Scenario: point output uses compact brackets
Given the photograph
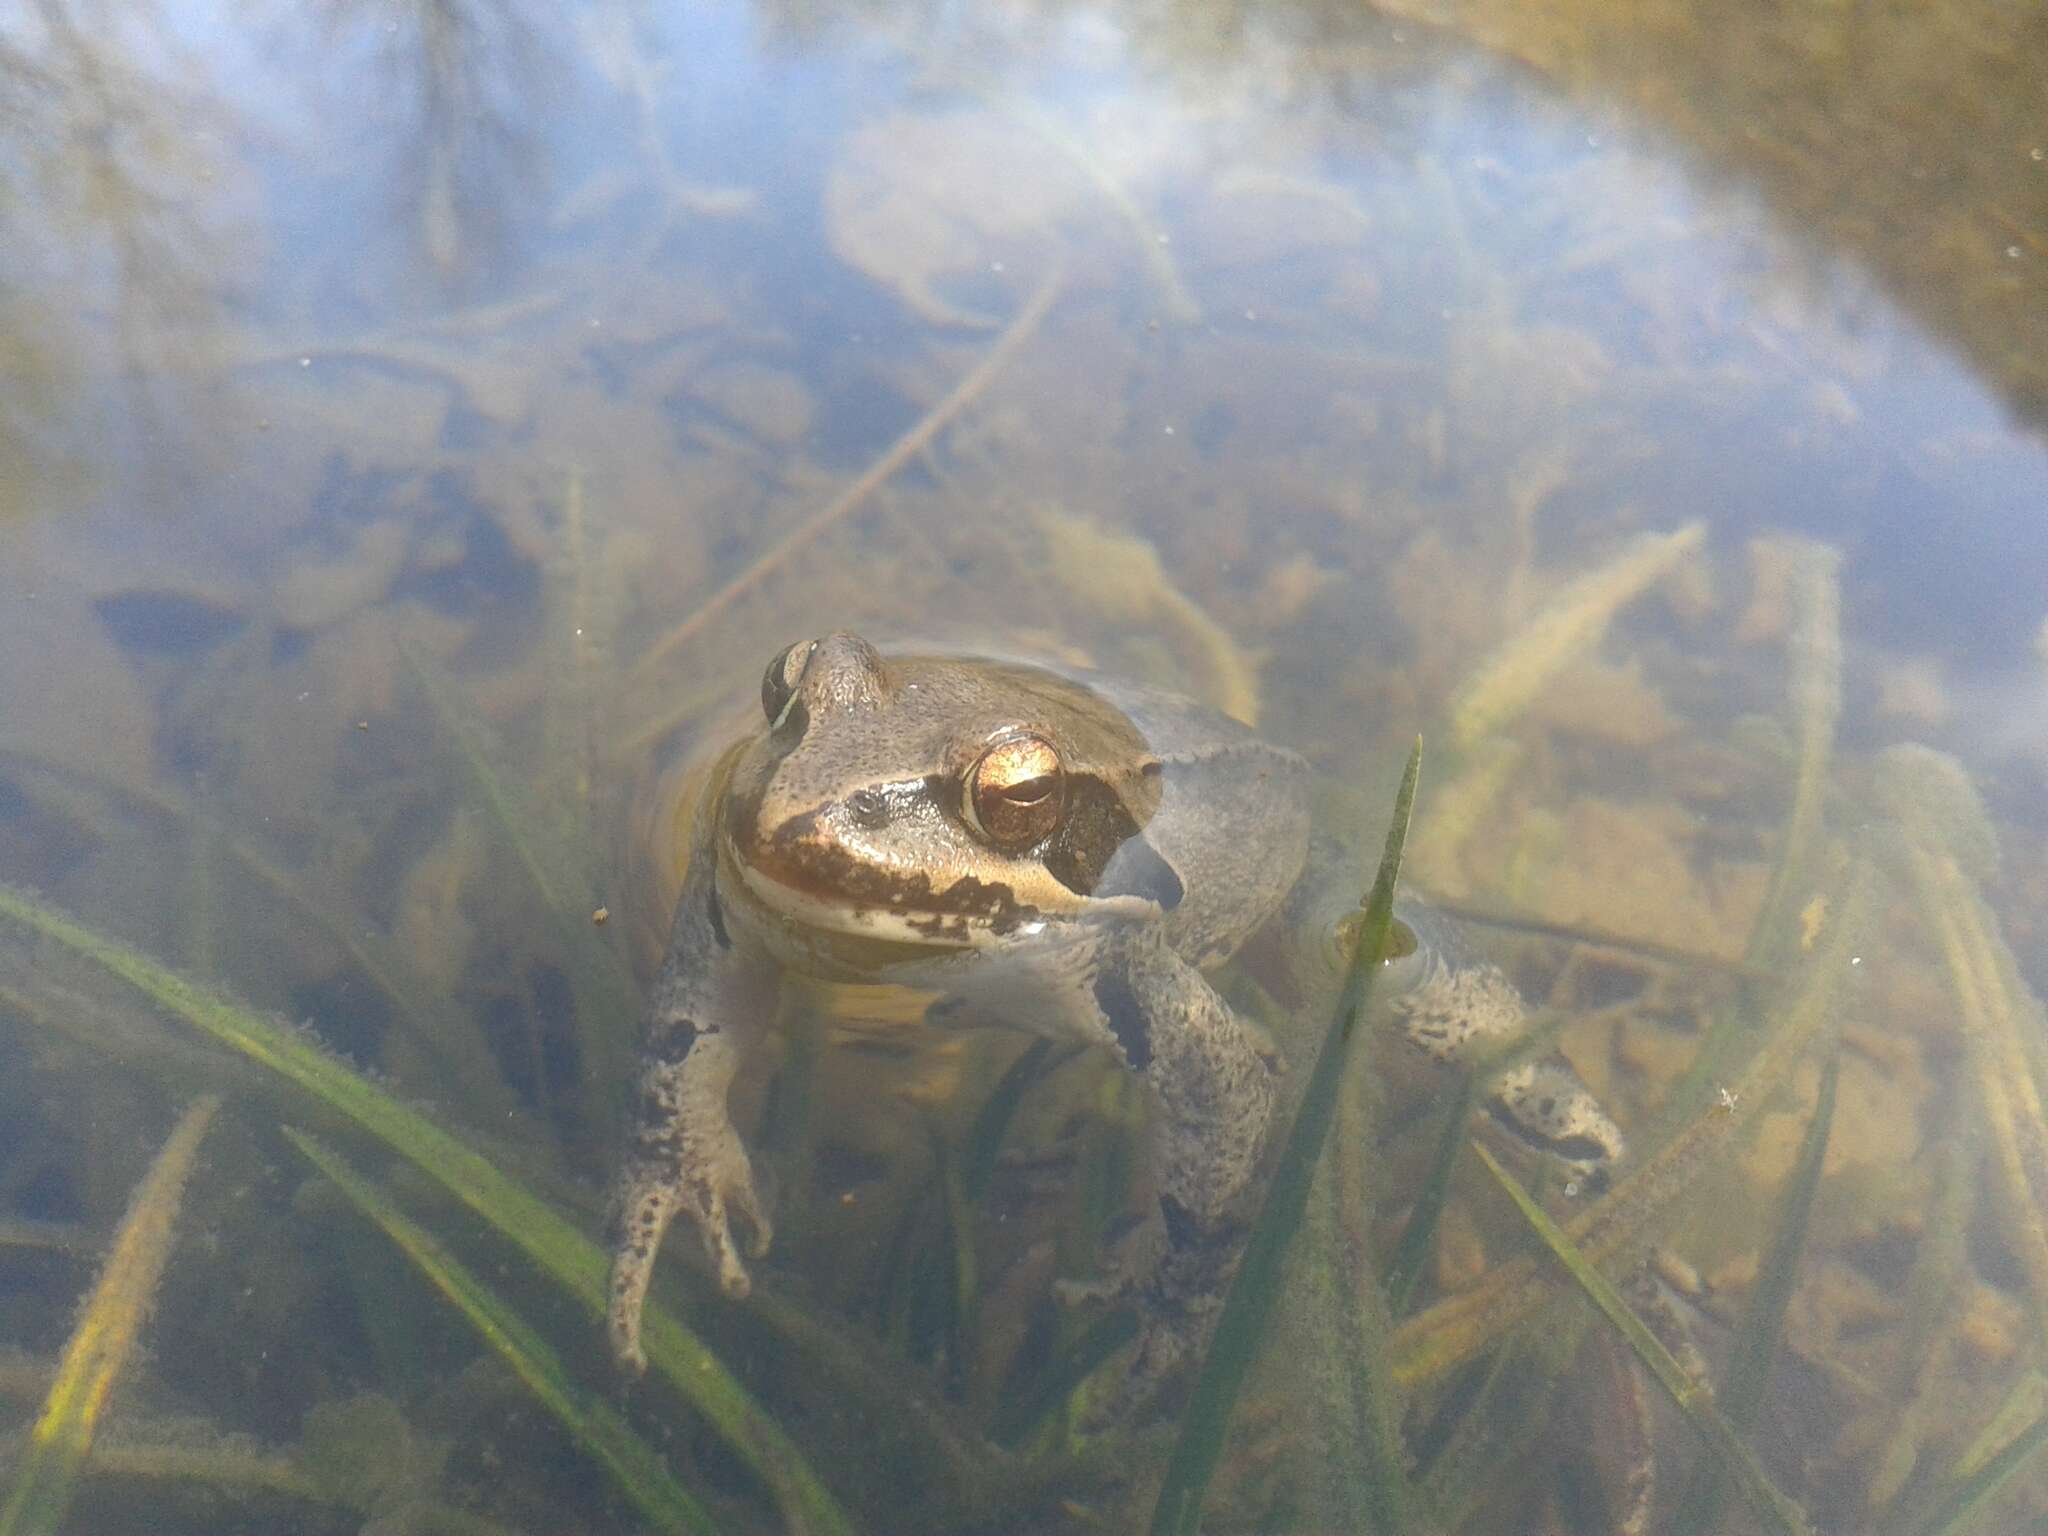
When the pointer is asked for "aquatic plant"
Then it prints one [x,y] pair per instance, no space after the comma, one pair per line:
[1814,691]
[1619,1228]
[556,1245]
[1253,1291]
[636,1467]
[1569,626]
[1948,845]
[105,1337]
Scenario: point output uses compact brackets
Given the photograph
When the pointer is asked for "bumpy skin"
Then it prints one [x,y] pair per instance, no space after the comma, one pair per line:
[1458,1009]
[847,839]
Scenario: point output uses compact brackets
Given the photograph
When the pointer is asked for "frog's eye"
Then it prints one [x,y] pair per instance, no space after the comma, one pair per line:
[778,683]
[1016,791]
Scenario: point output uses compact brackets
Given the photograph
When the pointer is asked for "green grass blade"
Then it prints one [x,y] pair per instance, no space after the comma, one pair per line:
[1961,1505]
[992,1123]
[1693,1400]
[964,1311]
[639,1472]
[1206,1422]
[536,1228]
[598,975]
[1756,1342]
[102,1344]
[1404,1271]
[1017,1418]
[446,1037]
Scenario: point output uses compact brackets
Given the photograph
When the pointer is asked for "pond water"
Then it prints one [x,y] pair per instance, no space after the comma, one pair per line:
[425,419]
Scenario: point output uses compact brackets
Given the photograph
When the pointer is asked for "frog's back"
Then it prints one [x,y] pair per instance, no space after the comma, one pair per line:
[1233,818]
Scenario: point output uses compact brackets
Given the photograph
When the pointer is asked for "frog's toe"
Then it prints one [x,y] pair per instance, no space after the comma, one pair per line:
[720,1192]
[753,1200]
[733,1278]
[641,1214]
[1545,1104]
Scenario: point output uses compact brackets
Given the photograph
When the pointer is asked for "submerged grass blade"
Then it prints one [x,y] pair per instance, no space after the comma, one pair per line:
[1206,1421]
[1960,1506]
[446,1037]
[964,1309]
[1939,1268]
[992,1122]
[1569,626]
[1815,686]
[598,976]
[1018,1417]
[1692,1398]
[536,1228]
[1950,848]
[1418,1236]
[105,1336]
[1756,1341]
[638,1470]
[227,1468]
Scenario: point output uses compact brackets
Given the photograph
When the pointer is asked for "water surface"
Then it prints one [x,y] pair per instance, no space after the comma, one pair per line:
[422,420]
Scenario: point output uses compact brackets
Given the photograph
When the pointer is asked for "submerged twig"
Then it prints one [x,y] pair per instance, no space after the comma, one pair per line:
[901,452]
[105,1336]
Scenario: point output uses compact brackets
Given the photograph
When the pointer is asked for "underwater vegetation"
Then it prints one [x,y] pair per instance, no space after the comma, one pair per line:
[329,860]
[1411,1329]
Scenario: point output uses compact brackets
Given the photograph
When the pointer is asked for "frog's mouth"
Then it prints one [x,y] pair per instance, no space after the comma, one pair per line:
[830,890]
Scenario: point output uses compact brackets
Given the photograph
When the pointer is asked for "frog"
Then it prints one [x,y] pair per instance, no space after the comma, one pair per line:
[1040,847]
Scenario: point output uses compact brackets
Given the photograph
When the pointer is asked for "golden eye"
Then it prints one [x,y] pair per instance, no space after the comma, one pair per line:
[779,682]
[1015,792]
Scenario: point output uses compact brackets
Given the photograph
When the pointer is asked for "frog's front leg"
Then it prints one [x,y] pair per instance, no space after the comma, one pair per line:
[1214,1091]
[683,1153]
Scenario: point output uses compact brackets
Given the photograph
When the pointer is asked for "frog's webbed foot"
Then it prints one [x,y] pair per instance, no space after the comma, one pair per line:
[1459,1011]
[685,1156]
[1179,1307]
[1545,1104]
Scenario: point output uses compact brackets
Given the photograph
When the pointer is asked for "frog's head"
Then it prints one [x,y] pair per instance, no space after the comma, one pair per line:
[941,800]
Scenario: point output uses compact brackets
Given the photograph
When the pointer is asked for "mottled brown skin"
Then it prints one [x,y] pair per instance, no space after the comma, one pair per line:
[1063,853]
